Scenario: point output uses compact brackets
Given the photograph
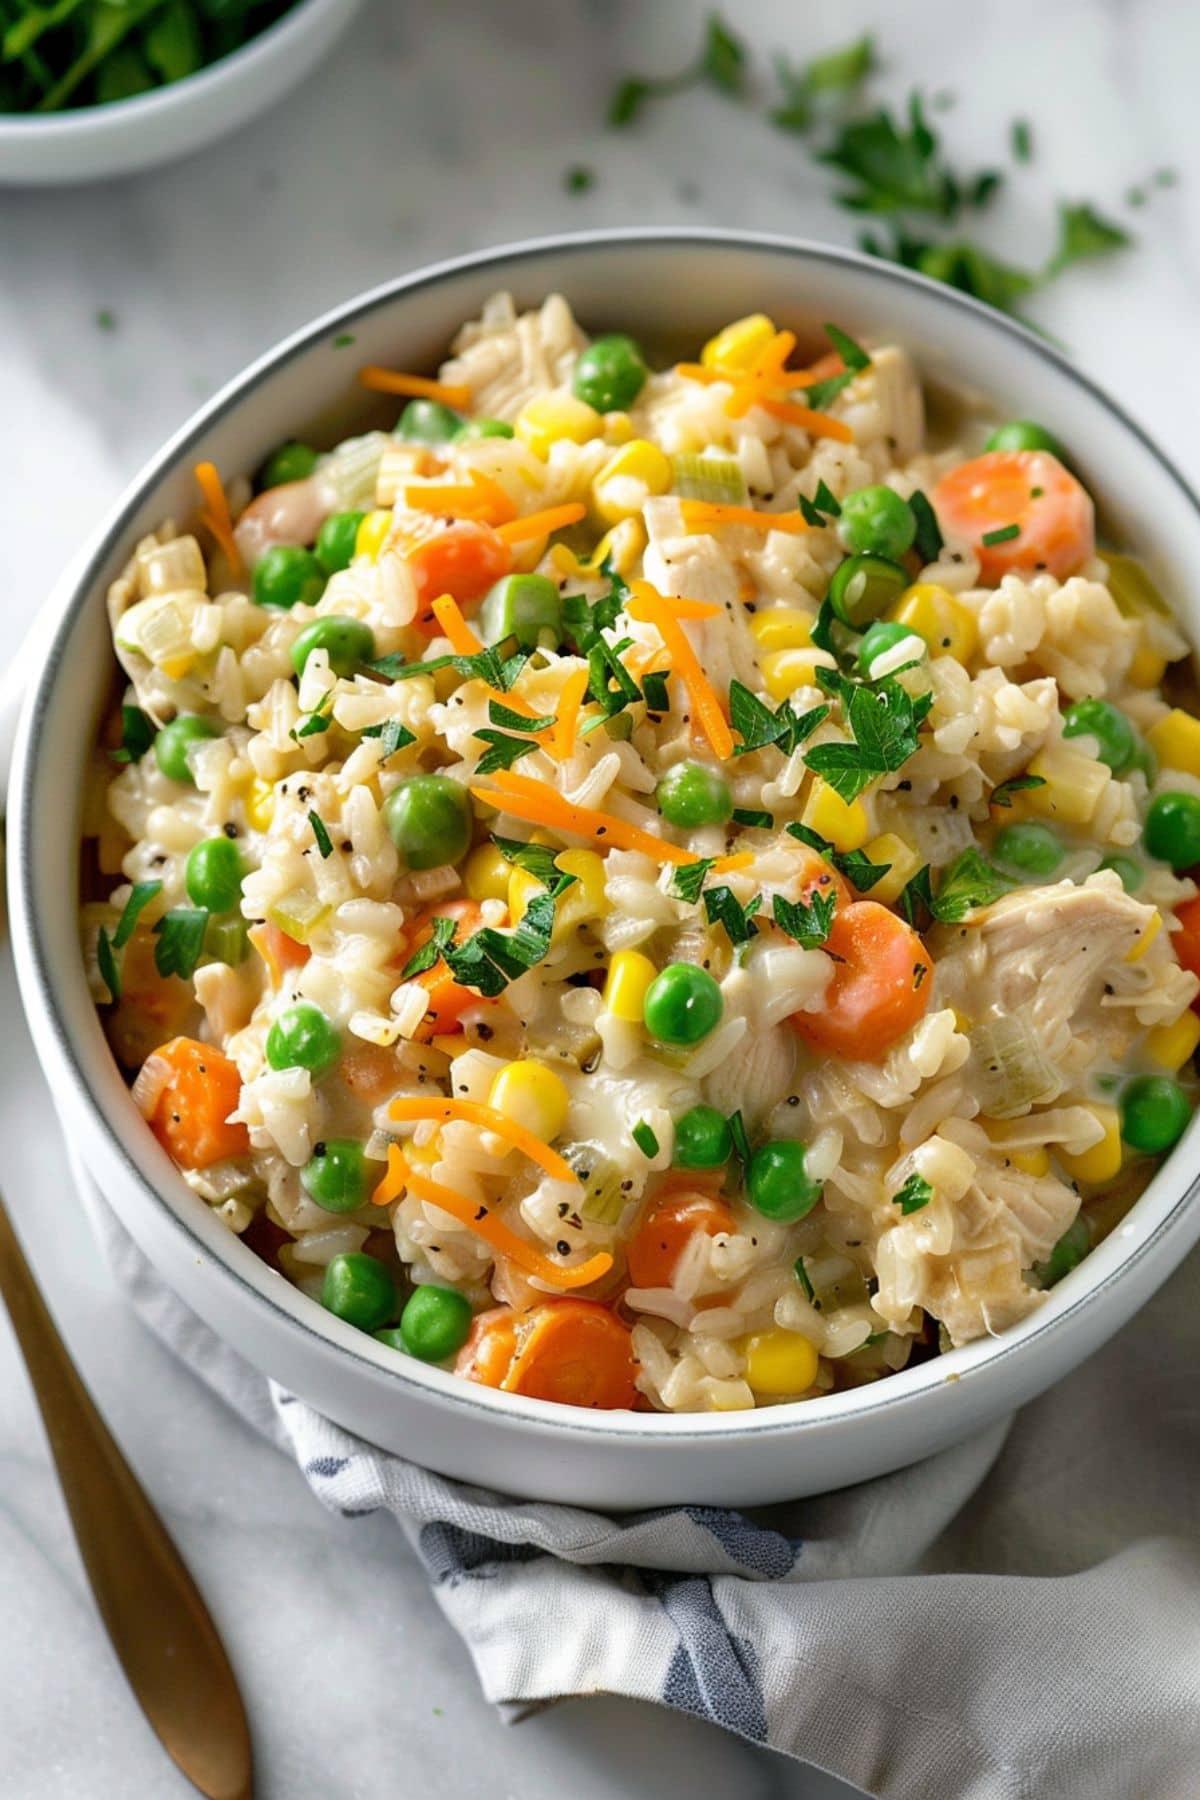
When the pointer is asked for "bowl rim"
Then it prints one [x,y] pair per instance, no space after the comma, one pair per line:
[1110,1263]
[115,115]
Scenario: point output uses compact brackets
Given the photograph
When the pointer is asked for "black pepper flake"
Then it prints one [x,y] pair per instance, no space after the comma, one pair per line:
[481,1214]
[229,828]
[563,1248]
[319,1149]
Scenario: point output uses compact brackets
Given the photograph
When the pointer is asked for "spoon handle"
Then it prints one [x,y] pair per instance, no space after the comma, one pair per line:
[159,1626]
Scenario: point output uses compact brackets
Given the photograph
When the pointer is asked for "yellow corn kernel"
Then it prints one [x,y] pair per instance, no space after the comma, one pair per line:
[531,1095]
[1170,1046]
[585,898]
[780,1362]
[618,428]
[486,874]
[450,1044]
[628,479]
[629,975]
[783,671]
[1074,784]
[260,804]
[740,345]
[1103,1161]
[1146,939]
[546,418]
[904,864]
[1175,740]
[845,825]
[962,1021]
[1147,668]
[947,626]
[1030,1162]
[622,546]
[372,534]
[783,628]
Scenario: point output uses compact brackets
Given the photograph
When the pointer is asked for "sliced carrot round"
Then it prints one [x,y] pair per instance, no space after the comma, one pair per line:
[571,1351]
[880,987]
[463,560]
[665,1232]
[1186,940]
[490,1347]
[985,498]
[190,1113]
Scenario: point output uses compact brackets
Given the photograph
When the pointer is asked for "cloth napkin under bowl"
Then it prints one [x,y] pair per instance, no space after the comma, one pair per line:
[1016,1619]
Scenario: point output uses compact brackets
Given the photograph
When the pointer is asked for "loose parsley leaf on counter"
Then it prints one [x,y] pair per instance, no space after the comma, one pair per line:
[1082,232]
[836,76]
[180,935]
[895,167]
[957,263]
[808,922]
[721,63]
[913,1195]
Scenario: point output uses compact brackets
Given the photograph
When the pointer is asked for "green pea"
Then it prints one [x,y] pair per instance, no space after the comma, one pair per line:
[1024,434]
[359,1289]
[883,635]
[429,819]
[778,1184]
[864,586]
[1112,731]
[703,1139]
[1069,1251]
[691,794]
[1030,848]
[610,373]
[292,461]
[303,1038]
[877,522]
[288,575]
[435,1323]
[1172,830]
[213,874]
[336,540]
[1129,869]
[349,644]
[335,1176]
[483,428]
[682,1005]
[524,607]
[428,422]
[172,743]
[1154,1113]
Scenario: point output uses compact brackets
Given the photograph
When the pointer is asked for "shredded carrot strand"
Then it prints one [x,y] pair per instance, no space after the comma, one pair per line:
[647,603]
[701,515]
[448,614]
[487,1117]
[539,804]
[216,516]
[503,1240]
[541,524]
[727,865]
[679,608]
[481,498]
[417,387]
[570,703]
[817,424]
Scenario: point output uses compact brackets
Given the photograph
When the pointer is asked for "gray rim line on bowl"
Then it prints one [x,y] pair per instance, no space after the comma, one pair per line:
[908,1384]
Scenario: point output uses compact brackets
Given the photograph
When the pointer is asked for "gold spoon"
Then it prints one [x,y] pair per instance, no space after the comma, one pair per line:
[159,1626]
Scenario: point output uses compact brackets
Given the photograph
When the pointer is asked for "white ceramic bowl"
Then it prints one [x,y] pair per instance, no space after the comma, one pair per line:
[673,286]
[91,143]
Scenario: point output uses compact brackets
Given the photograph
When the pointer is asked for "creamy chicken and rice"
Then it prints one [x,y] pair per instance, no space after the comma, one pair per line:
[653,887]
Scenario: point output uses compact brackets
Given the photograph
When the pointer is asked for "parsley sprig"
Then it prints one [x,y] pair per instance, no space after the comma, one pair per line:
[855,865]
[809,921]
[884,720]
[915,1193]
[490,958]
[970,882]
[759,725]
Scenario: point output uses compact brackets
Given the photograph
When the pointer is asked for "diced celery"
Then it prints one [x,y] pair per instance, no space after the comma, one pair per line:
[299,915]
[1010,1066]
[351,470]
[715,479]
[604,1201]
[227,940]
[1130,585]
[162,629]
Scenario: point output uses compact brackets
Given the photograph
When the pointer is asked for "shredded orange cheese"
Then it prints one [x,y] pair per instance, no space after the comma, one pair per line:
[728,865]
[539,804]
[216,516]
[570,704]
[476,1113]
[481,498]
[416,387]
[679,608]
[704,515]
[648,604]
[541,524]
[479,1219]
[817,424]
[448,614]
[768,381]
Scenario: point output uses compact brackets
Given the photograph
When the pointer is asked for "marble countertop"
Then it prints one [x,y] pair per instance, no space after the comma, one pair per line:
[430,131]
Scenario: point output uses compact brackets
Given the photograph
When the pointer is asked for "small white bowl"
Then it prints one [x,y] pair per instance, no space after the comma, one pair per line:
[90,143]
[668,288]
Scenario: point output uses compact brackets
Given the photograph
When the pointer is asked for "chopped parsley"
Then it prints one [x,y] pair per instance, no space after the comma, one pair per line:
[821,393]
[929,540]
[758,725]
[180,935]
[584,619]
[802,1276]
[392,736]
[883,719]
[643,1136]
[911,1197]
[654,691]
[503,751]
[484,665]
[807,921]
[431,950]
[855,865]
[1002,794]
[320,832]
[968,883]
[722,907]
[106,319]
[108,966]
[536,859]
[741,1142]
[752,819]
[823,506]
[489,959]
[137,735]
[688,879]
[140,896]
[894,166]
[317,721]
[343,340]
[720,64]
[610,684]
[1003,534]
